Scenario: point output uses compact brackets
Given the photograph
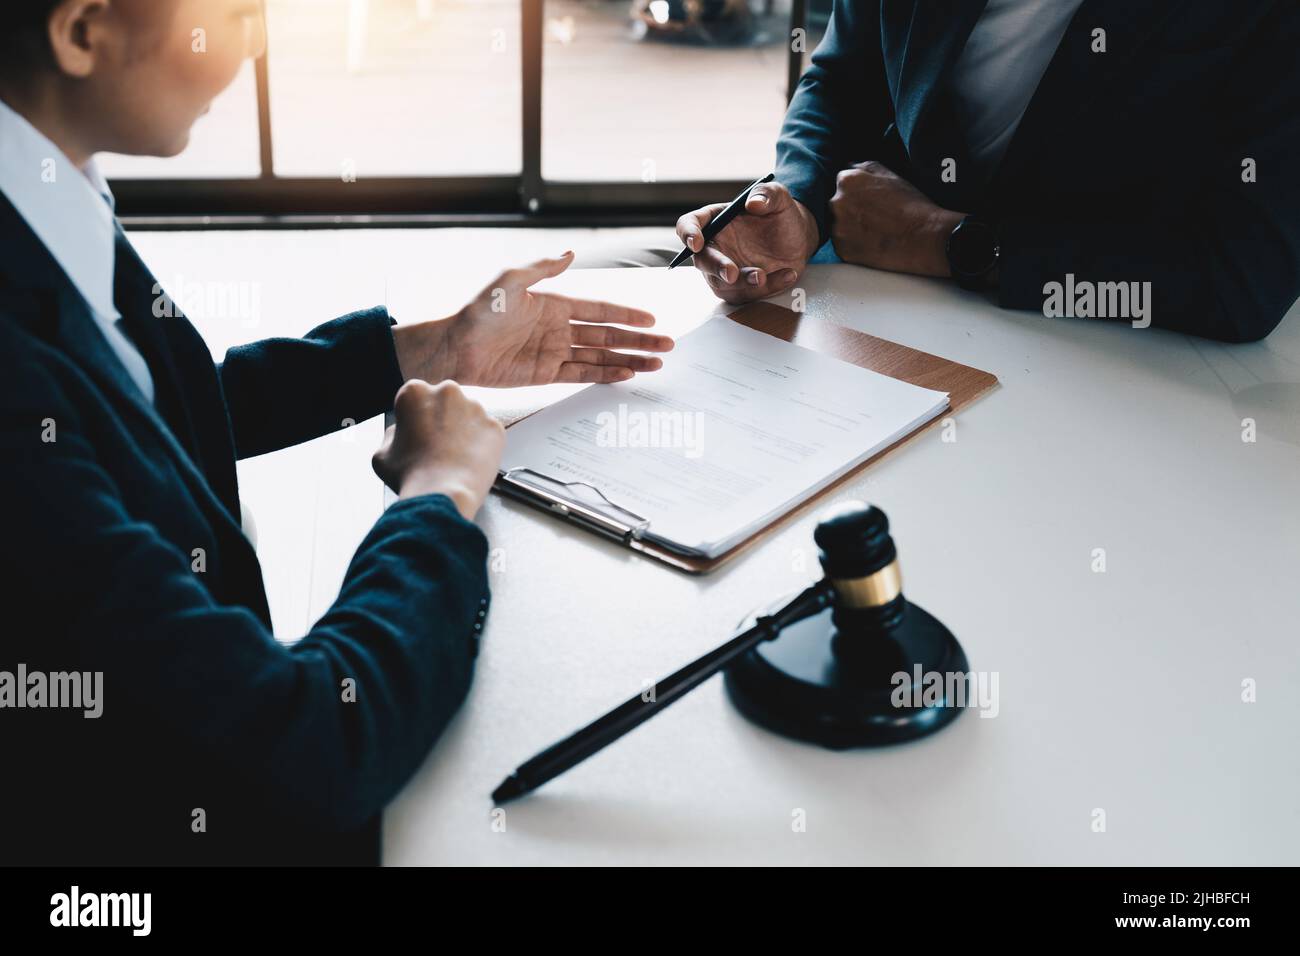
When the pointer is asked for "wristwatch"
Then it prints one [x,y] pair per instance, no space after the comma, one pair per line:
[972,250]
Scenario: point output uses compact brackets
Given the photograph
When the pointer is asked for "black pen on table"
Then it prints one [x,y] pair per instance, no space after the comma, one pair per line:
[603,731]
[719,222]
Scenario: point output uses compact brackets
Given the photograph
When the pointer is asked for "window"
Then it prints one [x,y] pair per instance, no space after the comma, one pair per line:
[395,87]
[649,92]
[501,107]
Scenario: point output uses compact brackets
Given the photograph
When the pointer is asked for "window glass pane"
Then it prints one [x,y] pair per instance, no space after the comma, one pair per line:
[655,90]
[395,87]
[223,145]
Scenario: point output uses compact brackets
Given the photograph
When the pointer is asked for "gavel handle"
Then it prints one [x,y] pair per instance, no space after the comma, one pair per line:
[605,730]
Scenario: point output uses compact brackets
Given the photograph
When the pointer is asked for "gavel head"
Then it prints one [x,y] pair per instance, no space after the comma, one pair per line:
[860,560]
[832,677]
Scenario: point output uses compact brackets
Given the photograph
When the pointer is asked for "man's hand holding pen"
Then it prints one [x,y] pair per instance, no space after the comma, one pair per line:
[762,252]
[877,219]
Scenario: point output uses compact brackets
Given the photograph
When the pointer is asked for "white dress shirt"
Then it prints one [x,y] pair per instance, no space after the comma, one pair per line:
[1000,68]
[71,212]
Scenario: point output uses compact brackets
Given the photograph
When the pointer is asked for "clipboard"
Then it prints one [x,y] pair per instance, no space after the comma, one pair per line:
[587,507]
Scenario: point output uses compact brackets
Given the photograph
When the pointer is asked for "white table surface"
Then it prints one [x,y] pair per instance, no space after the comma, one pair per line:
[1118,690]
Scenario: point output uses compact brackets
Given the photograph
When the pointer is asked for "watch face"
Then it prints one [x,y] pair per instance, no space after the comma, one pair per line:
[972,248]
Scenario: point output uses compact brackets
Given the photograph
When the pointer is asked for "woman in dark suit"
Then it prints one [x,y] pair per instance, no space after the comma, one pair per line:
[124,558]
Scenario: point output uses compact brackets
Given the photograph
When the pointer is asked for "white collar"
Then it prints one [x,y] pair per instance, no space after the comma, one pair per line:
[69,209]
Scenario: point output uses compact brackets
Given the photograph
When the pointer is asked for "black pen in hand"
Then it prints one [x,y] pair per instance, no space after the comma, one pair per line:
[719,222]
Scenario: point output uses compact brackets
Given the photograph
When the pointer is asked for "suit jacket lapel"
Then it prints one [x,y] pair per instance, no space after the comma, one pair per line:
[63,318]
[922,39]
[134,293]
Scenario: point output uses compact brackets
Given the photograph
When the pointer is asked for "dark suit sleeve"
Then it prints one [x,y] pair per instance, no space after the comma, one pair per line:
[284,391]
[840,110]
[256,722]
[1228,268]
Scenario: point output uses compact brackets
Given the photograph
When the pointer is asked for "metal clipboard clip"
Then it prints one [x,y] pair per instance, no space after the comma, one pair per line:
[562,498]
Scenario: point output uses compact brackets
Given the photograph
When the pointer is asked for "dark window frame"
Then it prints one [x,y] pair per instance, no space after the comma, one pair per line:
[526,198]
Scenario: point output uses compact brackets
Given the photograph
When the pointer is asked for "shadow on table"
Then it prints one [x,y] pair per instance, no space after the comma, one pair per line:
[890,783]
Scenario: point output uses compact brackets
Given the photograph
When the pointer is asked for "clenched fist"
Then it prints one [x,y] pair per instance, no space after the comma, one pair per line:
[879,219]
[443,442]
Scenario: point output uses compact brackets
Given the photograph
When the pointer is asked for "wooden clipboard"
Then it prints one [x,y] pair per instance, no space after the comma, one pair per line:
[962,383]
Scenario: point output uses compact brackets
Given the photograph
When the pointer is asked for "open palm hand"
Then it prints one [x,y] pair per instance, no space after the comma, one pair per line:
[512,336]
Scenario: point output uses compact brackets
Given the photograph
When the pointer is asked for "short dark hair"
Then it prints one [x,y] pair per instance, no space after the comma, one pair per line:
[29,17]
[23,43]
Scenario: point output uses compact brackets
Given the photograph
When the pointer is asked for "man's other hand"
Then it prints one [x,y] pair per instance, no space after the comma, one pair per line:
[879,219]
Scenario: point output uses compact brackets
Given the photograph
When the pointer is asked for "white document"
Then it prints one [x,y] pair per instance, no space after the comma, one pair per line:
[735,430]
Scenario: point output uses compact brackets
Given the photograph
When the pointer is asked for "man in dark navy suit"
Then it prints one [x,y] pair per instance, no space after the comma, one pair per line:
[147,714]
[1032,146]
